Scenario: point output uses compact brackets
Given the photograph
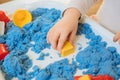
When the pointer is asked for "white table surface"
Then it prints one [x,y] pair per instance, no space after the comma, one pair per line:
[32,4]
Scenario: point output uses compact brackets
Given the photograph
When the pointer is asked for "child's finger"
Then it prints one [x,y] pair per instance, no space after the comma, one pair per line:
[61,41]
[116,37]
[47,38]
[119,41]
[72,37]
[54,40]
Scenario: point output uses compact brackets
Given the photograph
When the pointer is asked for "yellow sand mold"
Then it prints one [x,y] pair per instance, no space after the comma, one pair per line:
[21,17]
[67,49]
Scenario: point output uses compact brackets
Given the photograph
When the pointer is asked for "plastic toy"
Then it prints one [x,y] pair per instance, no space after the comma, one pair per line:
[3,51]
[102,77]
[76,77]
[3,17]
[21,17]
[86,77]
[67,49]
[2,28]
[90,77]
[106,77]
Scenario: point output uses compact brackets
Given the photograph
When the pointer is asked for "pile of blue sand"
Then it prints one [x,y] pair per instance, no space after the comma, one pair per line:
[59,70]
[97,58]
[32,35]
[30,75]
[14,65]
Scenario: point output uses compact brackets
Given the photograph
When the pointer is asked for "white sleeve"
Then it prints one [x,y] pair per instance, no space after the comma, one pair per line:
[81,5]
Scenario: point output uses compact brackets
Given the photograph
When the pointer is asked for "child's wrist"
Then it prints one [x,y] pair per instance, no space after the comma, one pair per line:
[72,12]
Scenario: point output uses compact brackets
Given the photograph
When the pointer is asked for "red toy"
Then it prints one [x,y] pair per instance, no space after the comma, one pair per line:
[102,77]
[3,51]
[106,77]
[76,77]
[3,17]
[98,77]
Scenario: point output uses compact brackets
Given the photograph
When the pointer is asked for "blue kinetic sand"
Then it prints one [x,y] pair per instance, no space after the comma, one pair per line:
[14,65]
[42,56]
[60,70]
[96,57]
[32,35]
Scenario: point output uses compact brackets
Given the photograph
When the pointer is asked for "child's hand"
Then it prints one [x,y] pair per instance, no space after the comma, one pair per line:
[63,30]
[117,38]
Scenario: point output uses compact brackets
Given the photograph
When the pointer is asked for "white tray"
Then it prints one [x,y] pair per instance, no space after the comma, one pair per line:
[10,7]
[58,4]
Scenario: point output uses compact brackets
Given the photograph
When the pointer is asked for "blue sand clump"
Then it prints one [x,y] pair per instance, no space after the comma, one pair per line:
[97,58]
[15,65]
[30,75]
[37,30]
[42,56]
[40,42]
[15,39]
[60,70]
[46,13]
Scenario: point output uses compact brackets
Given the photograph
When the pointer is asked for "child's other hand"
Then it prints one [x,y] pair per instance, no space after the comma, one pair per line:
[117,38]
[63,30]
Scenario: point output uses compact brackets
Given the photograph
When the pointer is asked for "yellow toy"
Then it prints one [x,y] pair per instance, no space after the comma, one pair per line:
[21,17]
[67,49]
[86,77]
